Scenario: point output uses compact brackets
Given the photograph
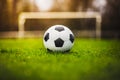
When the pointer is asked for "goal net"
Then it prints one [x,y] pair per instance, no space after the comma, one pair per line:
[59,15]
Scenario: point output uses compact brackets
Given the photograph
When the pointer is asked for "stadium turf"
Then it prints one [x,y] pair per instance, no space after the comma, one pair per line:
[89,59]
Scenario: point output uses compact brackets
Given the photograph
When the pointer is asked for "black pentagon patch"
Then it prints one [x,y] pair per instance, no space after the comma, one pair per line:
[59,42]
[46,37]
[71,38]
[59,29]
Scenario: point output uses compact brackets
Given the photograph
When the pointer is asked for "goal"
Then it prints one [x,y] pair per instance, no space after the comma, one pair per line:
[58,15]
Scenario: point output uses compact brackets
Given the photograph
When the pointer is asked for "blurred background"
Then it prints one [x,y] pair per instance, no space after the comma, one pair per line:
[109,10]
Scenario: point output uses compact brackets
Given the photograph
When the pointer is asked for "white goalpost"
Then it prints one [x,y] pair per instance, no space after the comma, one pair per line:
[58,15]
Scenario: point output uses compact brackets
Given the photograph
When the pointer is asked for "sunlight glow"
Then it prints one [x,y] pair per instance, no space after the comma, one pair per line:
[44,5]
[100,4]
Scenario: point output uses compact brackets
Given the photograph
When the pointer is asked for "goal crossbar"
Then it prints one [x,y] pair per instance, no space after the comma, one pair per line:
[58,15]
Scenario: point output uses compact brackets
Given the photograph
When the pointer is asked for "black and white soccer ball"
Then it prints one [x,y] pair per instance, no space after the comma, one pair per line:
[58,38]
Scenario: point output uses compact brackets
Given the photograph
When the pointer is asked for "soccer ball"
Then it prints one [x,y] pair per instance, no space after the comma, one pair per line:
[58,38]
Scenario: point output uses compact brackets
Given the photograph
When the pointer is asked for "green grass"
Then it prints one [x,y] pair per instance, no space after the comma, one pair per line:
[89,59]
